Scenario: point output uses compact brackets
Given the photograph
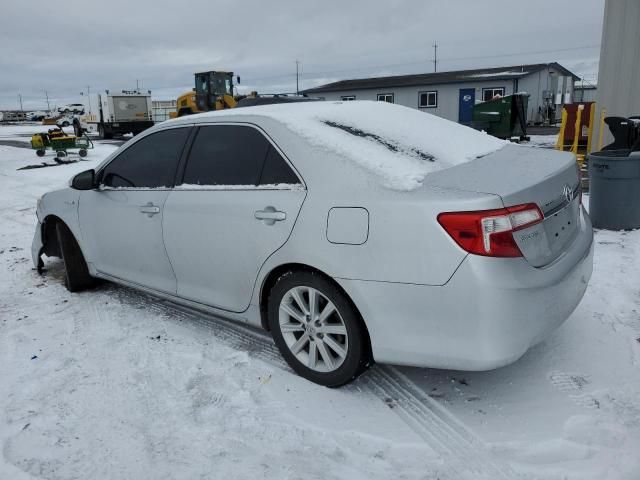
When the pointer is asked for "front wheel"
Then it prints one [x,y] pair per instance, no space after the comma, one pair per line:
[317,329]
[77,275]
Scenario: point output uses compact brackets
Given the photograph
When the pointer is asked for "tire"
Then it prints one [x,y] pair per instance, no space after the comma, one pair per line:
[77,276]
[103,133]
[61,154]
[40,153]
[65,124]
[82,152]
[309,362]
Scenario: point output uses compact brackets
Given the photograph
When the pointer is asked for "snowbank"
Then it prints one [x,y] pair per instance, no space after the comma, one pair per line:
[400,145]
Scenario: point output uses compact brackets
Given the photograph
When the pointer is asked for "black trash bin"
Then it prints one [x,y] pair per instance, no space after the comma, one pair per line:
[614,189]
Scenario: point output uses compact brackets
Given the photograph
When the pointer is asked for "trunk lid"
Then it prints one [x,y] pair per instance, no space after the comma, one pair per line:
[519,175]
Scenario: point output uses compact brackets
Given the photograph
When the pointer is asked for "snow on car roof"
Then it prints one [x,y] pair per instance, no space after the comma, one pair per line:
[400,145]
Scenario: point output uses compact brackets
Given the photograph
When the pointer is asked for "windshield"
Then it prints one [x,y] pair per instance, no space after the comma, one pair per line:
[221,84]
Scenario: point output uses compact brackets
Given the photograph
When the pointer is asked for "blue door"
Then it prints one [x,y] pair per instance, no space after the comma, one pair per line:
[465,107]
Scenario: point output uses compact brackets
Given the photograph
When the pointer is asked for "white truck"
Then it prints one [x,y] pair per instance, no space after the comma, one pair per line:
[120,113]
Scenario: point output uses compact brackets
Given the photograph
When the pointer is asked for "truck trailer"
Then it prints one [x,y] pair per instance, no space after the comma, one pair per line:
[120,113]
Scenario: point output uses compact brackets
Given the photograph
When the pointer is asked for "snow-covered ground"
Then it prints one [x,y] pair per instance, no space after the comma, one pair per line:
[542,141]
[112,383]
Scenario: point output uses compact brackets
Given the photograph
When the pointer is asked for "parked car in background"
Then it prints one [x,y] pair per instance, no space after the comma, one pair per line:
[76,108]
[353,231]
[36,116]
[65,120]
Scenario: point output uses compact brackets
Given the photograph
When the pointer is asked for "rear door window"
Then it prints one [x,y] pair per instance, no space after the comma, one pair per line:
[149,163]
[226,155]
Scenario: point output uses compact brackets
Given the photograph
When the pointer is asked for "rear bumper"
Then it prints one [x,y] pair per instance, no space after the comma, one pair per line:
[487,316]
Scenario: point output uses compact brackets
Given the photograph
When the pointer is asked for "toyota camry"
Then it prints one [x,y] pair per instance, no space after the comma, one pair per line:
[354,232]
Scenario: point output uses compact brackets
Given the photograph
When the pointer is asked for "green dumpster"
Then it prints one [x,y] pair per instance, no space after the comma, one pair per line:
[502,117]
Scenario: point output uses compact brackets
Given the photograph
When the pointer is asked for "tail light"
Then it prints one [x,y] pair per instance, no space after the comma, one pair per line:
[490,232]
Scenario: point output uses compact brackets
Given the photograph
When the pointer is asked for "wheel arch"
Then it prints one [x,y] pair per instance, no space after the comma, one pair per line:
[270,279]
[50,245]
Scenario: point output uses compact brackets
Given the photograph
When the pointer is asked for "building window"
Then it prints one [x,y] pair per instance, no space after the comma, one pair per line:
[348,98]
[385,97]
[489,93]
[428,99]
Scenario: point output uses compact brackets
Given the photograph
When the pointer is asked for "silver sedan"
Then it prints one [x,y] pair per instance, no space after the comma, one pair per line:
[354,232]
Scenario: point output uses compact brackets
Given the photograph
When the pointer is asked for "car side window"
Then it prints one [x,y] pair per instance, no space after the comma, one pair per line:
[149,163]
[276,170]
[234,155]
[226,155]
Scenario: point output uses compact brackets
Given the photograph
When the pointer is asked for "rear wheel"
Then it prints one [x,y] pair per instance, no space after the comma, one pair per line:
[82,152]
[104,133]
[40,153]
[317,329]
[76,272]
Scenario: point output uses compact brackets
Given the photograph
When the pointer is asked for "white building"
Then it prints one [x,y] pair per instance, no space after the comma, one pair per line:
[451,95]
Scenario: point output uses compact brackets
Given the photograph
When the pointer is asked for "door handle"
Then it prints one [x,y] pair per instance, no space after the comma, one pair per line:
[270,215]
[150,209]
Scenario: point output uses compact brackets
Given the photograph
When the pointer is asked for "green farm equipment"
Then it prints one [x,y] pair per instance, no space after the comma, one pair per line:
[61,143]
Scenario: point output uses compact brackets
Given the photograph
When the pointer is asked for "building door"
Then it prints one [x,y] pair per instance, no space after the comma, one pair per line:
[465,105]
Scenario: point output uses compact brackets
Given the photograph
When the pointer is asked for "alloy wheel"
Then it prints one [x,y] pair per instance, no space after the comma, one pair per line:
[313,329]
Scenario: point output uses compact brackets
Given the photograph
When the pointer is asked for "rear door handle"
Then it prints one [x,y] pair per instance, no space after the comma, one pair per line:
[150,209]
[270,215]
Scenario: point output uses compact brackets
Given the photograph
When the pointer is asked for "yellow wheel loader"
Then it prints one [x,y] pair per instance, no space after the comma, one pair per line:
[213,91]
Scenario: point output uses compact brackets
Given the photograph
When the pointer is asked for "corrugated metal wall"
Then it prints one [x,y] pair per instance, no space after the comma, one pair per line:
[619,70]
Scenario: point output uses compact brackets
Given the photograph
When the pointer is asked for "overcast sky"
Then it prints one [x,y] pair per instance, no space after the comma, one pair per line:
[63,47]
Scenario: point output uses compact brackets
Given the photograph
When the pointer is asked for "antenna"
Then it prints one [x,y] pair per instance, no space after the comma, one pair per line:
[435,57]
[297,78]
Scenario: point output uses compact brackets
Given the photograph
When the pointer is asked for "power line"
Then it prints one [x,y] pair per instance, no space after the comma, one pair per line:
[316,74]
[446,59]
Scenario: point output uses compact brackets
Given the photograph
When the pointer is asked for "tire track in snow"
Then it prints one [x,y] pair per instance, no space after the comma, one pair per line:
[465,455]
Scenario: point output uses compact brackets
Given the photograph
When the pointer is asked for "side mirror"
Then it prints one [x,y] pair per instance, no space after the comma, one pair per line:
[84,180]
[238,79]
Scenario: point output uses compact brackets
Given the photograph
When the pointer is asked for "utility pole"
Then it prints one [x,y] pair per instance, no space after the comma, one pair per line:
[435,57]
[48,106]
[20,98]
[297,78]
[89,97]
